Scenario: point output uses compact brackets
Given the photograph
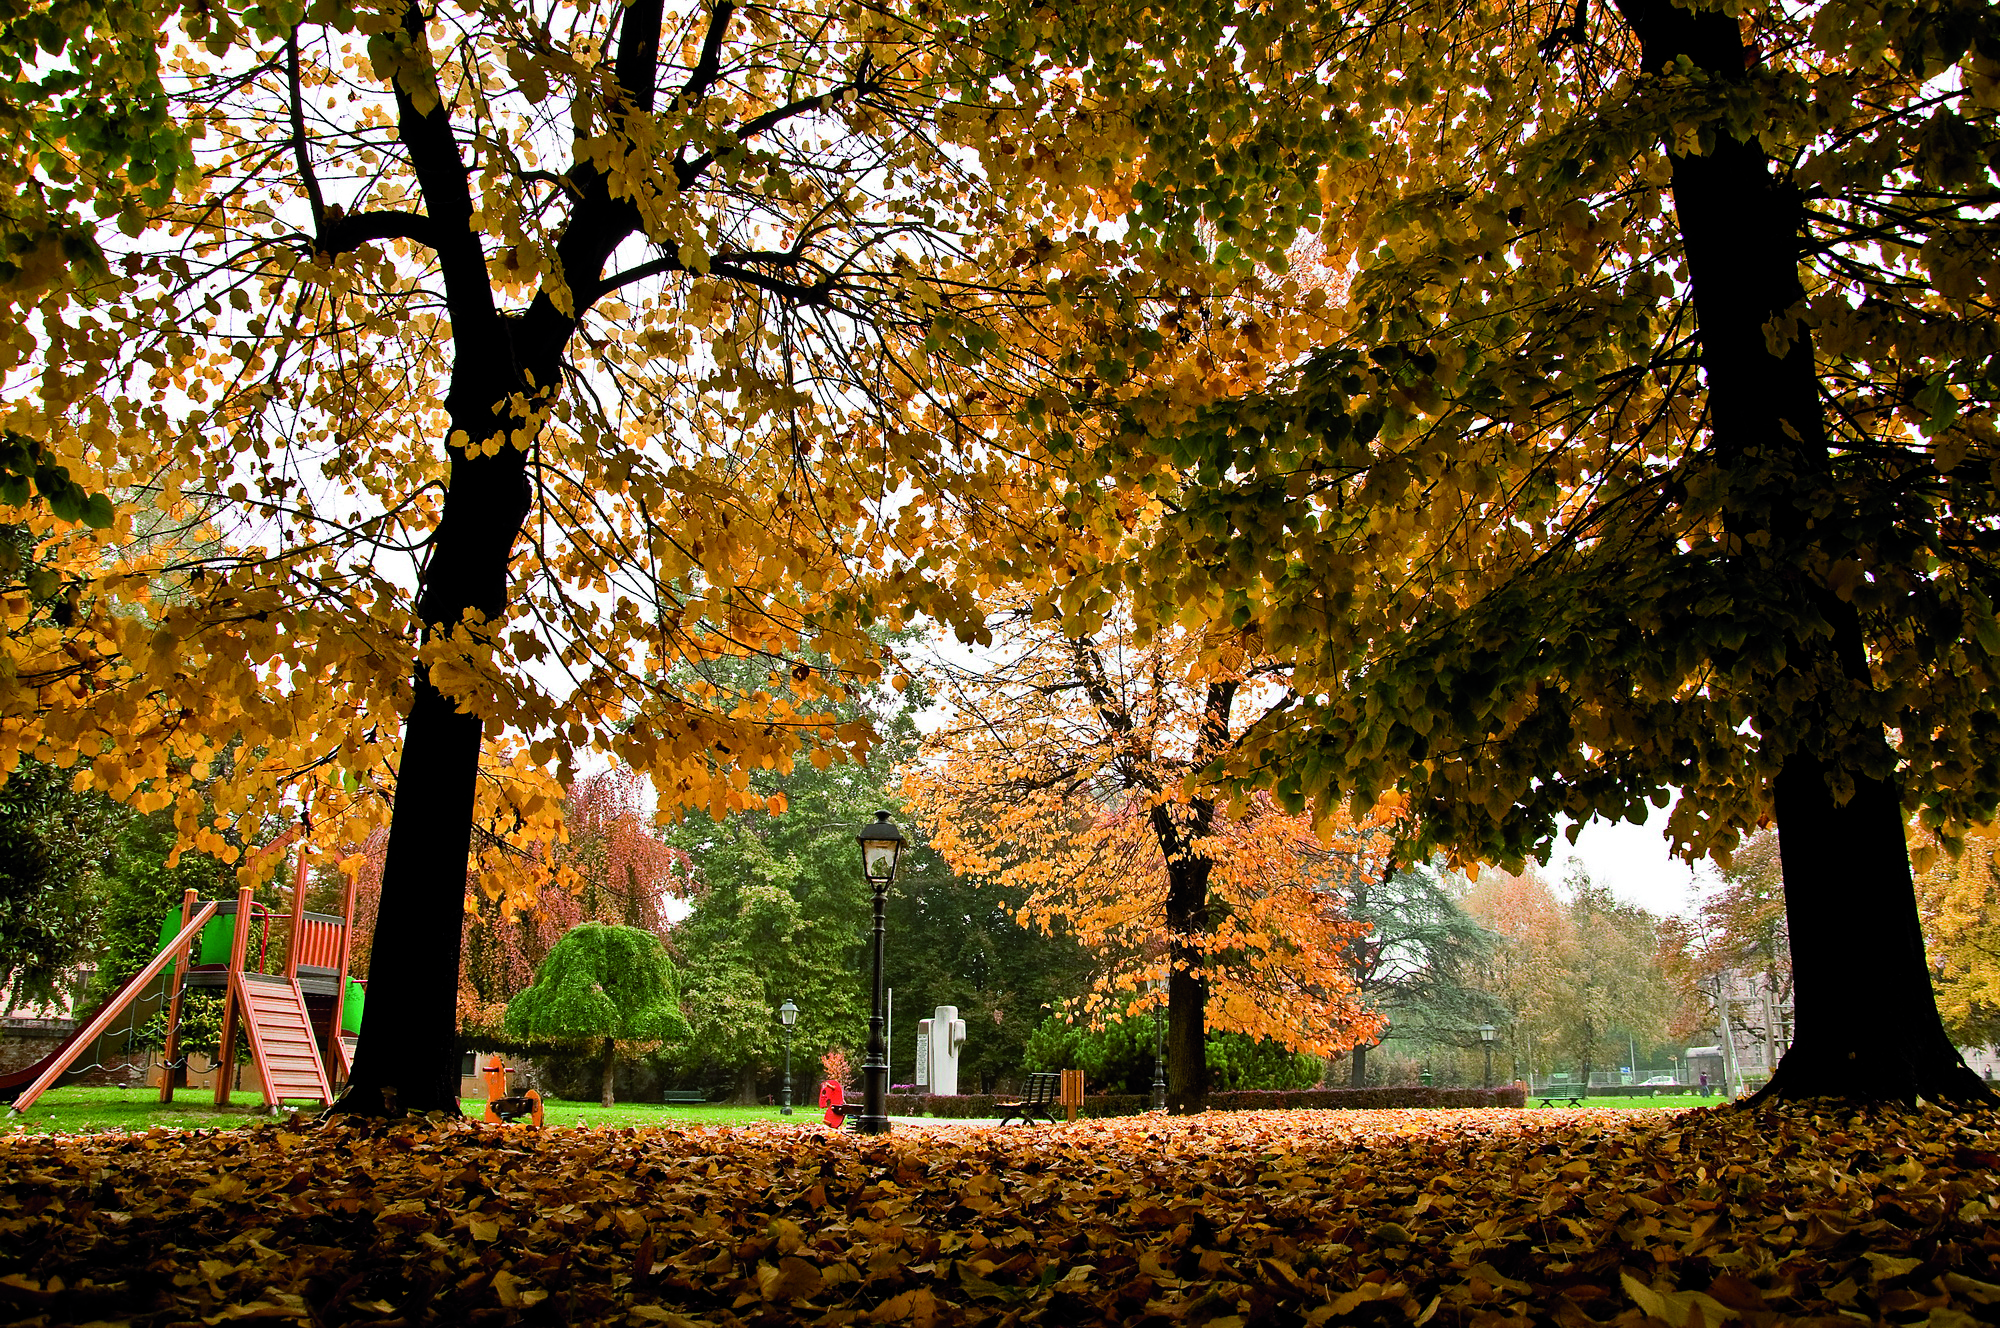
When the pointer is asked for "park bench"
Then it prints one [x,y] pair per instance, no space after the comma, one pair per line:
[1565,1096]
[1044,1088]
[690,1096]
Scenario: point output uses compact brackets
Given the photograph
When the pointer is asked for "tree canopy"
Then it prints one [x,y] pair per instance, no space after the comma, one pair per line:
[601,984]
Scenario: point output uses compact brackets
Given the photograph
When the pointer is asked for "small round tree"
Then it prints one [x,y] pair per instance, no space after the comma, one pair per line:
[601,983]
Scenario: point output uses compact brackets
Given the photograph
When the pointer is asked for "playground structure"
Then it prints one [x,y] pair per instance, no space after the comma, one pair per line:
[298,1023]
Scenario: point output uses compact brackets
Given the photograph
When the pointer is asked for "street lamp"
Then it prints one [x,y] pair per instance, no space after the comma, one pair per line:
[788,1014]
[1159,1055]
[1486,1034]
[881,845]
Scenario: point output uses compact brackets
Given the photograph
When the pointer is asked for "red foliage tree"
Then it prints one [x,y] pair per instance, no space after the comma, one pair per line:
[608,866]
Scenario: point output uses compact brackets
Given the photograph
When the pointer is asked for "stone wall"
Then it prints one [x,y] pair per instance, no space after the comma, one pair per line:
[25,1041]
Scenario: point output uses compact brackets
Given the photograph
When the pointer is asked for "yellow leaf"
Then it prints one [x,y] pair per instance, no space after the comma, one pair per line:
[1675,1306]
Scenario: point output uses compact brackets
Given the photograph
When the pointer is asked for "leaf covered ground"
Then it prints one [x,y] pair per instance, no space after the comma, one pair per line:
[1394,1217]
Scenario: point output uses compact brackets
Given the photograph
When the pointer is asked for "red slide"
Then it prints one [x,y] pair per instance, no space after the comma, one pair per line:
[14,1080]
[25,1085]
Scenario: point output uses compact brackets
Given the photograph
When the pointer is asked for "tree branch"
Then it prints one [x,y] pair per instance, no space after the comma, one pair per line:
[687,171]
[709,65]
[344,234]
[441,176]
[313,196]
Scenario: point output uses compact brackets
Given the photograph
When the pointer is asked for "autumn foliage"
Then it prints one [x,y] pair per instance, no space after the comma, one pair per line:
[1073,773]
[599,862]
[1959,899]
[1454,1218]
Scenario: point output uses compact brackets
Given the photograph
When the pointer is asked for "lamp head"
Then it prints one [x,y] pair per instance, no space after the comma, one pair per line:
[881,845]
[788,1014]
[1487,1032]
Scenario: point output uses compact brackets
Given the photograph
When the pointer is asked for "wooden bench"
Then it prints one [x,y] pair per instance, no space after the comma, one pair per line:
[689,1096]
[1041,1099]
[1551,1099]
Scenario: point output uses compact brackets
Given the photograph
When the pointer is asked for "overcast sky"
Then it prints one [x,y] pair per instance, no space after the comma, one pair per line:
[1633,861]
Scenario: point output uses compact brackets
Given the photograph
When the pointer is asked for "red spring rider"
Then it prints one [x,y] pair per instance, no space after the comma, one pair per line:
[831,1096]
[504,1110]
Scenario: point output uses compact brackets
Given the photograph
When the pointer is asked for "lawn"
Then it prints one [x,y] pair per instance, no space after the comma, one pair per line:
[1228,1220]
[1677,1102]
[84,1110]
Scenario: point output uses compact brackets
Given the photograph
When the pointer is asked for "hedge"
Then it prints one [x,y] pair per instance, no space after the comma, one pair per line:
[1369,1098]
[987,1105]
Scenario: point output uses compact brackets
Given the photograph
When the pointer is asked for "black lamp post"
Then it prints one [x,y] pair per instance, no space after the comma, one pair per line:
[881,845]
[1159,1055]
[788,1014]
[1486,1032]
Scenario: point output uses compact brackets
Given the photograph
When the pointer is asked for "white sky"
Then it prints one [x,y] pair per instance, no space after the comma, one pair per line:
[1633,861]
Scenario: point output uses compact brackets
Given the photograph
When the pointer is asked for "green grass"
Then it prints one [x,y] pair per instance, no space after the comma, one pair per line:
[88,1110]
[654,1113]
[1676,1102]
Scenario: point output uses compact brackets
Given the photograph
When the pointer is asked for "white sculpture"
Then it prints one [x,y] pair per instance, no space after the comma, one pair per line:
[940,1038]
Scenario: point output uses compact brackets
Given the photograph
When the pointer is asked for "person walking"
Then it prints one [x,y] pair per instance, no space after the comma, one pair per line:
[1704,1083]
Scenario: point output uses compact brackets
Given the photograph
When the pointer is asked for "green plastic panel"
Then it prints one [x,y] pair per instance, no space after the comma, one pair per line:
[213,946]
[350,1008]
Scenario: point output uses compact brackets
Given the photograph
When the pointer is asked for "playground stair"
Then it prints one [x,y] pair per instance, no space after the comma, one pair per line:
[281,1037]
[345,1047]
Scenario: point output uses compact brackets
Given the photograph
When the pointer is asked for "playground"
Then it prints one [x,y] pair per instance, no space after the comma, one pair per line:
[286,994]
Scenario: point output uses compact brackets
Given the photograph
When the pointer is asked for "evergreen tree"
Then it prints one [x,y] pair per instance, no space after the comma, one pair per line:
[1420,962]
[53,846]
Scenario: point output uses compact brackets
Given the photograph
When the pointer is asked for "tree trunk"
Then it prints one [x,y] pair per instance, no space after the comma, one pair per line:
[746,1087]
[1853,912]
[407,1058]
[610,1069]
[1187,985]
[1357,1075]
[1867,1024]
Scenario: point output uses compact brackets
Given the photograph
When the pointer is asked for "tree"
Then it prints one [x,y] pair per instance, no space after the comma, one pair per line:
[1613,980]
[1420,961]
[1067,771]
[1654,455]
[1960,903]
[1576,971]
[141,889]
[609,866]
[957,941]
[601,983]
[53,843]
[514,359]
[780,911]
[1739,927]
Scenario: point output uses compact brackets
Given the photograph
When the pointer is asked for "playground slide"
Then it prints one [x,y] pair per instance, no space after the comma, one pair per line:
[110,1043]
[123,1013]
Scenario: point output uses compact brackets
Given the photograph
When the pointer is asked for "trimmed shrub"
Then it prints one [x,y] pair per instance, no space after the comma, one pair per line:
[1367,1099]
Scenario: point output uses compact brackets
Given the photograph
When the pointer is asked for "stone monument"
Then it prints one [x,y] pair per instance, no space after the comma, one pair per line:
[940,1038]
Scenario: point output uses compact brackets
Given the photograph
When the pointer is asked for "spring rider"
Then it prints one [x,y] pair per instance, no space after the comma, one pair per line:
[832,1096]
[504,1110]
